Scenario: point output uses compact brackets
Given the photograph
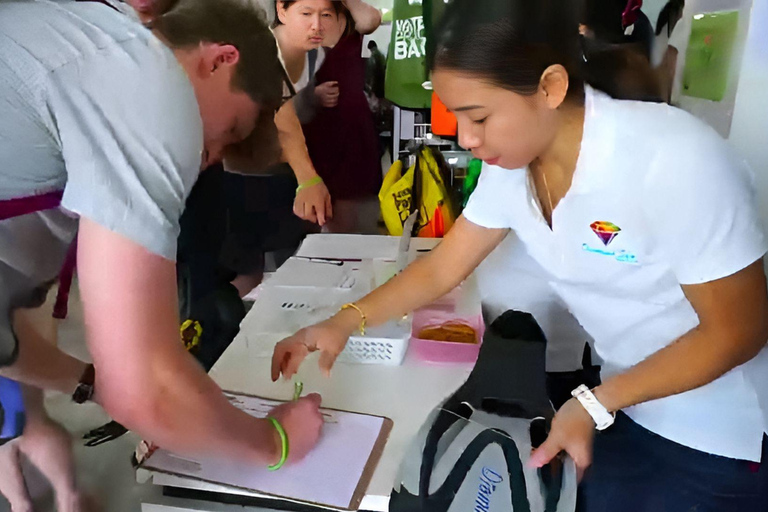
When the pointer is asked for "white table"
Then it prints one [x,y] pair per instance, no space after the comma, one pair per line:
[406,394]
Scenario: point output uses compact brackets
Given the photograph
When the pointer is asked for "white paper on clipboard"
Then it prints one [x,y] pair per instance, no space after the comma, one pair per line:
[335,474]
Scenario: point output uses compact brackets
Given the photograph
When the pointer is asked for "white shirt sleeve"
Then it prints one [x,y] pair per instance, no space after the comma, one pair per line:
[488,206]
[132,139]
[700,205]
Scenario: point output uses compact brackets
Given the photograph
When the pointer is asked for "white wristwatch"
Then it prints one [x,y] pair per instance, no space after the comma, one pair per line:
[603,419]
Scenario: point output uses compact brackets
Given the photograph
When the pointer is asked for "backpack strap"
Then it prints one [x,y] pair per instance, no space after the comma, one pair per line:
[10,208]
[441,500]
[552,483]
[446,418]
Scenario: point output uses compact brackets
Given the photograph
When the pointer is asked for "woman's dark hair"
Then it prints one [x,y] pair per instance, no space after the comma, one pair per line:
[510,43]
[625,73]
[351,28]
[337,5]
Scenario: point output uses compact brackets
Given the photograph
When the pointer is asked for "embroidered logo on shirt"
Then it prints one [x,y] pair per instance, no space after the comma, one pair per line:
[606,231]
[621,256]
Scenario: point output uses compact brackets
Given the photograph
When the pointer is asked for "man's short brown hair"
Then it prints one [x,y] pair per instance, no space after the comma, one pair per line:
[259,73]
[240,23]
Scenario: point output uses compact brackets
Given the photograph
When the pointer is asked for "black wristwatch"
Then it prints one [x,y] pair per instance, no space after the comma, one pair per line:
[84,390]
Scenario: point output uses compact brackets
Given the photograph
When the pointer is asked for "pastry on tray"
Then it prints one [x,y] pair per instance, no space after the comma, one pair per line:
[453,332]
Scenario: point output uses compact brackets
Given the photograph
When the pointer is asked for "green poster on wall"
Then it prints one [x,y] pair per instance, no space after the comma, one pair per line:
[709,55]
[407,59]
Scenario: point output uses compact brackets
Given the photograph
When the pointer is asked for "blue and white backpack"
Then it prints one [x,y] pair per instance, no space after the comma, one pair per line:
[472,452]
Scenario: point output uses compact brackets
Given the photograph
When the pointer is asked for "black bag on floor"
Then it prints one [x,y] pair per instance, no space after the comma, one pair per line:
[210,322]
[210,308]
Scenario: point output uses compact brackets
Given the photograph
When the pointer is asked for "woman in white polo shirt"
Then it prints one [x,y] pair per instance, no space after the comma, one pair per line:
[647,226]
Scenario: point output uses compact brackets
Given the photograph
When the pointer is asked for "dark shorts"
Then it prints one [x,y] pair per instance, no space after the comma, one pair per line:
[635,470]
[260,220]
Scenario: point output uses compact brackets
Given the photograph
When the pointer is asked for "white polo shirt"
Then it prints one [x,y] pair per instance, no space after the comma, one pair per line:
[658,200]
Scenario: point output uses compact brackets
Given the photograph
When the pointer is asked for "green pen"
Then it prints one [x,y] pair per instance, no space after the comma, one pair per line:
[298,387]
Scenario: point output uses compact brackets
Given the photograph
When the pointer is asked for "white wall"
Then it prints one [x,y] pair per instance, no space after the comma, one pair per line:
[382,37]
[381,4]
[749,134]
[749,131]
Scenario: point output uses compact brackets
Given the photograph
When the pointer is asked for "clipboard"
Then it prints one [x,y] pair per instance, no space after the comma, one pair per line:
[336,482]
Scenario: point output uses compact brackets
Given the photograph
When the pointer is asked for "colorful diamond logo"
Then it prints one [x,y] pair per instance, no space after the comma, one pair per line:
[606,231]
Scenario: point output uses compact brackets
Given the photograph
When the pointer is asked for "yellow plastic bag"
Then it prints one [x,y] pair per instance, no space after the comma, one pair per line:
[436,214]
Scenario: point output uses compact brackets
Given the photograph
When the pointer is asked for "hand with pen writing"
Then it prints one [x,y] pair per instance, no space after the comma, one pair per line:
[303,424]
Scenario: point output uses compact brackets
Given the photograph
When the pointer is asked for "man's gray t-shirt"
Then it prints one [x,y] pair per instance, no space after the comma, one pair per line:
[93,104]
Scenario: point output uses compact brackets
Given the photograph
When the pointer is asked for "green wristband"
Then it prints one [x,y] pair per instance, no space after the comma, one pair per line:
[309,183]
[284,440]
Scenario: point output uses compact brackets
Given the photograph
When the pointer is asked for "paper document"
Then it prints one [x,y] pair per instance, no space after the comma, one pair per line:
[315,273]
[359,247]
[336,474]
[287,309]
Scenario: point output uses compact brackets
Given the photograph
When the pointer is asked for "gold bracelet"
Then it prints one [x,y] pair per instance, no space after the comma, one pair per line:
[363,318]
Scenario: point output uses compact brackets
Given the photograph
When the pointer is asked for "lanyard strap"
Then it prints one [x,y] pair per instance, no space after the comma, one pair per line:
[25,205]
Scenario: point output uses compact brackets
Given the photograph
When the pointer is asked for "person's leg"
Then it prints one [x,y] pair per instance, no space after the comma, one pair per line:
[355,216]
[12,484]
[369,213]
[48,446]
[635,470]
[44,442]
[344,218]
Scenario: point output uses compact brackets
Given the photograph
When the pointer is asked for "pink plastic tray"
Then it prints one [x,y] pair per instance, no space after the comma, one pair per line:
[444,351]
